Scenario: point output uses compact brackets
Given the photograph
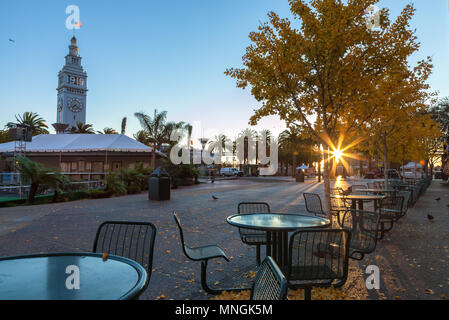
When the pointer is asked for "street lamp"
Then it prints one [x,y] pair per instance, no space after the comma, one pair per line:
[203,142]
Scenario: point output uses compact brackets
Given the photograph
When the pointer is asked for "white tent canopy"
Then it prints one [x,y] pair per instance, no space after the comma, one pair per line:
[412,165]
[80,143]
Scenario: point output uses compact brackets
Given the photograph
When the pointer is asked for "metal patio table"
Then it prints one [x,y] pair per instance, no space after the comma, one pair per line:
[403,186]
[277,226]
[44,277]
[379,191]
[358,200]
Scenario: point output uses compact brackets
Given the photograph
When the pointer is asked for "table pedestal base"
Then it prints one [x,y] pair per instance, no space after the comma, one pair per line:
[277,247]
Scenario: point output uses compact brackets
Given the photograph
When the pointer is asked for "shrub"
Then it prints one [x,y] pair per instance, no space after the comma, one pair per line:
[99,194]
[115,185]
[133,189]
[183,174]
[78,195]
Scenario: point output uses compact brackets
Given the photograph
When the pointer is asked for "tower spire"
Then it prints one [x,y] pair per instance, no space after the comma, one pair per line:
[72,90]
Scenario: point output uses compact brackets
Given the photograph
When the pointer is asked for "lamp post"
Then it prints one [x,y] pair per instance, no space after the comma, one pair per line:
[203,142]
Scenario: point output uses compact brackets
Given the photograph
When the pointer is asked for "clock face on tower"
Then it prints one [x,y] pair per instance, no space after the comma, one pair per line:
[75,105]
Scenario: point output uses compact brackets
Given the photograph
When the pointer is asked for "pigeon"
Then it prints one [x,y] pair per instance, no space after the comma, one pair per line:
[437,199]
[214,197]
[11,40]
[430,217]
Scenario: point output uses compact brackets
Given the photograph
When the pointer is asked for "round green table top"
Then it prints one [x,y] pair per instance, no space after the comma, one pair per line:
[55,277]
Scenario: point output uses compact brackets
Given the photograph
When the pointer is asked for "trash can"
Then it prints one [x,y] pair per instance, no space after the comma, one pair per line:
[159,185]
[300,177]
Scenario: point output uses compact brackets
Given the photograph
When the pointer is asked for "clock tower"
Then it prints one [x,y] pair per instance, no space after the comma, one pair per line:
[72,89]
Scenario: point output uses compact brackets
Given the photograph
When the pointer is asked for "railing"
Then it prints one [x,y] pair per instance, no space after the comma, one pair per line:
[21,192]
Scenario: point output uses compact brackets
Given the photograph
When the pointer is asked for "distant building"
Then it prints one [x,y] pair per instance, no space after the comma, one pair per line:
[80,156]
[85,156]
[72,90]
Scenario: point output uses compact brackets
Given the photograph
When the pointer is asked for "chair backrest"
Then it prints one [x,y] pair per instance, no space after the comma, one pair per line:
[317,255]
[270,282]
[406,195]
[185,249]
[378,184]
[372,185]
[357,187]
[338,191]
[364,228]
[133,240]
[313,204]
[253,207]
[394,203]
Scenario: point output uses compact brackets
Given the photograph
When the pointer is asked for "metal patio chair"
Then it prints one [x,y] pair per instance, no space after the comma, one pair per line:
[314,205]
[203,254]
[336,191]
[339,205]
[379,184]
[406,195]
[318,258]
[249,236]
[364,228]
[372,185]
[390,212]
[356,187]
[270,282]
[133,240]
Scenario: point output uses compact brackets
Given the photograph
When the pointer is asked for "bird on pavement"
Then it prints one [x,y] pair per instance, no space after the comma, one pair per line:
[215,198]
[430,217]
[437,199]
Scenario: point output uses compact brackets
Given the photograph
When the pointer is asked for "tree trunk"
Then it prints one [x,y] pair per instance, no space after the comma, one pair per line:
[33,190]
[403,171]
[55,196]
[361,168]
[319,166]
[327,190]
[294,165]
[385,161]
[153,158]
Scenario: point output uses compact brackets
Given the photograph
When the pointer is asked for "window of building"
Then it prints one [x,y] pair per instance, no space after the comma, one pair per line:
[116,165]
[97,166]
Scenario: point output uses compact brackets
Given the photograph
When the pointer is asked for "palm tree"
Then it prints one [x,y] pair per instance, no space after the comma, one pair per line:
[156,131]
[37,175]
[4,136]
[223,140]
[170,127]
[289,140]
[248,134]
[32,120]
[82,128]
[141,136]
[124,120]
[107,130]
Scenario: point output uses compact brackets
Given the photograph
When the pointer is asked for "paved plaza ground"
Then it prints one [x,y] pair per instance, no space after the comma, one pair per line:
[413,258]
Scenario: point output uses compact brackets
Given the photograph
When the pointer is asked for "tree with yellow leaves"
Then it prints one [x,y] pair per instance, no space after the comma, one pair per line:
[324,69]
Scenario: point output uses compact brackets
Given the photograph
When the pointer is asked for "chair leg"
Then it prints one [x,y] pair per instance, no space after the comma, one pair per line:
[258,254]
[204,279]
[308,293]
[390,227]
[357,256]
[210,290]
